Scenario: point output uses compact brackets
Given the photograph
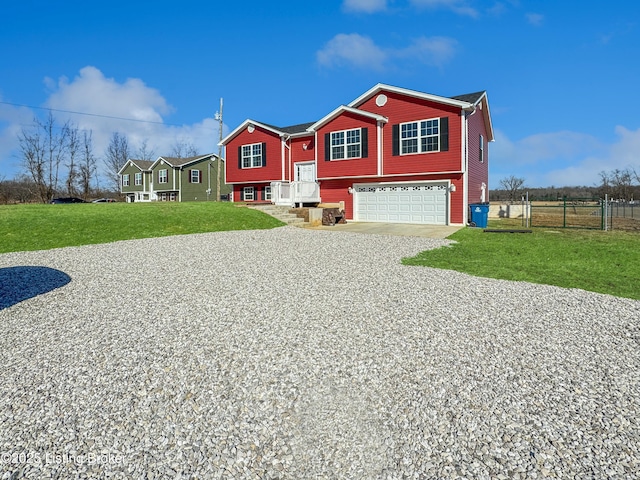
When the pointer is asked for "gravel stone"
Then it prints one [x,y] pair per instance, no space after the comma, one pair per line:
[292,353]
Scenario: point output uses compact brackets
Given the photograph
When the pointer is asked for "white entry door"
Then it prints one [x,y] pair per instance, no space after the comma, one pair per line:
[305,172]
[401,203]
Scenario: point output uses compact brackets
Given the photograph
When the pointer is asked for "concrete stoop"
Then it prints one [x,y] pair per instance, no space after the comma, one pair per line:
[281,213]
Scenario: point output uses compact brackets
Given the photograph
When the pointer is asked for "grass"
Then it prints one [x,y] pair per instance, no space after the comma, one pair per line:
[597,261]
[42,227]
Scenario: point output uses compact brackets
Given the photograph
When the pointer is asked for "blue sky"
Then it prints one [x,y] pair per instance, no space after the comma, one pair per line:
[562,77]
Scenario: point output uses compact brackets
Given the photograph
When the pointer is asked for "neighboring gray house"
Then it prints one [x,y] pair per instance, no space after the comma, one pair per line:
[171,179]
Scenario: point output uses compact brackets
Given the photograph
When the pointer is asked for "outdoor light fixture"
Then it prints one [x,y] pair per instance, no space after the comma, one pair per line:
[452,188]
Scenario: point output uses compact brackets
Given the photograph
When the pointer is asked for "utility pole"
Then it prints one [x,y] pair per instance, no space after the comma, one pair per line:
[219,118]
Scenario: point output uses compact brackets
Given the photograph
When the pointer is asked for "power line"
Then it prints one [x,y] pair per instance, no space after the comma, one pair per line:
[97,115]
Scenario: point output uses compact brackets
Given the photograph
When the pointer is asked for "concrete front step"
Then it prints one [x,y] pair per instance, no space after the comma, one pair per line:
[281,213]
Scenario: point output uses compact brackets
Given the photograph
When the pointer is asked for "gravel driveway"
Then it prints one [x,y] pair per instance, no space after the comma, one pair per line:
[296,354]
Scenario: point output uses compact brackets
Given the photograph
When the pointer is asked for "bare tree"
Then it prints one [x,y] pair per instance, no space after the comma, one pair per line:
[87,167]
[73,147]
[618,184]
[621,182]
[144,152]
[183,149]
[19,190]
[42,151]
[116,156]
[512,185]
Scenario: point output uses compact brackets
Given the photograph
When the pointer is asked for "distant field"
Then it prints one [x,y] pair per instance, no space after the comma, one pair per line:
[41,227]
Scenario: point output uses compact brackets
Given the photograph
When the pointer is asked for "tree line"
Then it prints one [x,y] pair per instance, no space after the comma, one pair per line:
[618,184]
[59,159]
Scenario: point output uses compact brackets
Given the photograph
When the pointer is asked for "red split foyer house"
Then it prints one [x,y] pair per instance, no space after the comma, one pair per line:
[391,155]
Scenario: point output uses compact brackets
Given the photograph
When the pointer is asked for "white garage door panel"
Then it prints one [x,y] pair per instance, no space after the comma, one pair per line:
[402,203]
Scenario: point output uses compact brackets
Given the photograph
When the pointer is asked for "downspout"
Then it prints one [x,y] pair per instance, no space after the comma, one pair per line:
[179,183]
[465,146]
[380,156]
[285,139]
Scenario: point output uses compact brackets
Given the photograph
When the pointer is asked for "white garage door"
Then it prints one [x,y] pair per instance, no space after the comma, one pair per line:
[401,203]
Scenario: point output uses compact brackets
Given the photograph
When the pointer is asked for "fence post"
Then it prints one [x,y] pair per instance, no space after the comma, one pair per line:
[564,212]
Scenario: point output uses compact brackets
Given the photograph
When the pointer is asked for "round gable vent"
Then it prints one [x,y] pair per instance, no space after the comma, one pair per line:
[381,100]
[251,128]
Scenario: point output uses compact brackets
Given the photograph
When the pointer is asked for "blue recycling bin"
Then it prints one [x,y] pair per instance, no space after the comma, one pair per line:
[479,214]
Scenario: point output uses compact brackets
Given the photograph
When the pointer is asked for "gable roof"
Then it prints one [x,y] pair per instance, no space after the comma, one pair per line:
[470,97]
[410,93]
[341,109]
[142,165]
[479,101]
[182,162]
[292,131]
[468,102]
[295,129]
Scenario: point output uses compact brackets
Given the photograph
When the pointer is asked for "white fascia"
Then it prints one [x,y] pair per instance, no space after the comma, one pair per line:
[341,109]
[410,93]
[244,125]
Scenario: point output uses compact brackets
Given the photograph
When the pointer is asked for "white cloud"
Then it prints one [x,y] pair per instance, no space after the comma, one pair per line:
[562,158]
[460,7]
[366,6]
[434,51]
[535,19]
[100,98]
[352,50]
[357,51]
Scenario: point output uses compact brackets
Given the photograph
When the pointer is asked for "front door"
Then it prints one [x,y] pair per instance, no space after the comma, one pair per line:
[305,172]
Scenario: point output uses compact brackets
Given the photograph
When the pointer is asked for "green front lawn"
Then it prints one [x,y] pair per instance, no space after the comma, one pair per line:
[41,227]
[605,262]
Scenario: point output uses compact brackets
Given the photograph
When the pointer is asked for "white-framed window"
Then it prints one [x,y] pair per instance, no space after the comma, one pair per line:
[267,192]
[163,197]
[163,176]
[481,149]
[248,193]
[172,197]
[420,137]
[137,178]
[252,155]
[195,176]
[125,180]
[346,144]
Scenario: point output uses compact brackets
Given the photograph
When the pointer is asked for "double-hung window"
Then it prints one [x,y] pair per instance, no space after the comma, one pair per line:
[195,176]
[137,179]
[346,144]
[163,176]
[420,137]
[252,155]
[248,193]
[125,180]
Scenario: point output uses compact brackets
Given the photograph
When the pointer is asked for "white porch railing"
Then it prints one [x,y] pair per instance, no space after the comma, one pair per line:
[291,193]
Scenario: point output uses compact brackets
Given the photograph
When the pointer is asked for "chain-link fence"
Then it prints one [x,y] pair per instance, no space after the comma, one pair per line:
[596,214]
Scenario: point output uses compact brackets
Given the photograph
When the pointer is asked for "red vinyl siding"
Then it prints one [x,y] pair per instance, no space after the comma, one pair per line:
[271,172]
[402,109]
[478,171]
[300,154]
[257,192]
[347,167]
